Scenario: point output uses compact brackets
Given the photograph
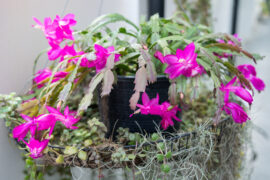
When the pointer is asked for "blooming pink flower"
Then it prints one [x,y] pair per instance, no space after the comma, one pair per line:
[148,104]
[70,52]
[45,121]
[159,56]
[21,131]
[42,122]
[237,90]
[102,55]
[55,51]
[58,29]
[46,73]
[164,110]
[67,119]
[36,147]
[237,112]
[167,113]
[249,72]
[183,63]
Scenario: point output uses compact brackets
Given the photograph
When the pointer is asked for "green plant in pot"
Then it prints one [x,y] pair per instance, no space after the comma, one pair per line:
[137,76]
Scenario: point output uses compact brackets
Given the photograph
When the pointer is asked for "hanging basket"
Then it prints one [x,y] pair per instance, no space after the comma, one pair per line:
[102,156]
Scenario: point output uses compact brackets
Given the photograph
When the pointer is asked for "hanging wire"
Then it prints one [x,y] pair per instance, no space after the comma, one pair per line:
[65,7]
[100,7]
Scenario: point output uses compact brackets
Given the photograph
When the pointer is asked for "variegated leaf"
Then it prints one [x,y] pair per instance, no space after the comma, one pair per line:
[134,100]
[107,82]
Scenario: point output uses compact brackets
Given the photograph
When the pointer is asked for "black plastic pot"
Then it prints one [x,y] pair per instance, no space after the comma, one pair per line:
[115,110]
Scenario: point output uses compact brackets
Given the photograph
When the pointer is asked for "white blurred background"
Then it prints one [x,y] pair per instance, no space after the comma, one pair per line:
[20,44]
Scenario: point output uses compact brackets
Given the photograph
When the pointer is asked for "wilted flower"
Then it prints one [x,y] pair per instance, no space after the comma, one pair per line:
[183,63]
[249,72]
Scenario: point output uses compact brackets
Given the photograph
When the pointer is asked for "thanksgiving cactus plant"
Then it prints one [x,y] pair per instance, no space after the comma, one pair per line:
[187,54]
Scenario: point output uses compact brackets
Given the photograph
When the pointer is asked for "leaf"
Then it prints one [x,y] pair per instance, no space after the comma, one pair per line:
[29,108]
[64,93]
[37,58]
[59,159]
[107,19]
[165,168]
[70,150]
[215,79]
[151,70]
[233,48]
[140,79]
[110,62]
[82,155]
[169,155]
[154,137]
[173,94]
[131,156]
[107,82]
[134,100]
[171,38]
[191,32]
[160,157]
[127,57]
[86,101]
[181,83]
[258,56]
[172,28]
[203,61]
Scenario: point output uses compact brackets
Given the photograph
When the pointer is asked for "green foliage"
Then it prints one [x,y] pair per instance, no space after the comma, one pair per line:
[126,137]
[8,105]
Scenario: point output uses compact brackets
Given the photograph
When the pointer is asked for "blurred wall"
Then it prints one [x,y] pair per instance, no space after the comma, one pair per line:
[20,44]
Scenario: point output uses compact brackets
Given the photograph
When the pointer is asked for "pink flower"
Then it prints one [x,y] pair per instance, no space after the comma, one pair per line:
[21,131]
[148,104]
[67,119]
[45,122]
[36,147]
[58,29]
[159,56]
[45,74]
[237,90]
[70,52]
[249,72]
[183,63]
[55,52]
[237,112]
[102,55]
[167,113]
[42,122]
[165,110]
